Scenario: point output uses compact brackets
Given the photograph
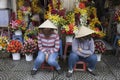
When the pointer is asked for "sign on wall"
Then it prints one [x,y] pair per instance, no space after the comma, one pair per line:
[4,17]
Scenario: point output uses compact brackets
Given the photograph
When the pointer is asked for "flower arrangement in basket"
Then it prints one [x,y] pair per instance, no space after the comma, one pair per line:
[29,47]
[18,25]
[14,46]
[99,47]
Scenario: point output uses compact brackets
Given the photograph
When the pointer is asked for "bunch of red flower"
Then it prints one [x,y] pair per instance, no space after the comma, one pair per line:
[29,47]
[14,46]
[99,46]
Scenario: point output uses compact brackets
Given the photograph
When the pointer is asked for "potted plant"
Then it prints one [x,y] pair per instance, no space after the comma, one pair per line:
[15,47]
[29,48]
[100,48]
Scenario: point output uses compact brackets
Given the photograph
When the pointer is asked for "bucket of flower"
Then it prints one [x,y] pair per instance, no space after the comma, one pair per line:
[14,47]
[100,48]
[29,48]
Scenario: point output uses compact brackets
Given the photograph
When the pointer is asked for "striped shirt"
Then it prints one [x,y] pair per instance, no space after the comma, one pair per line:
[49,45]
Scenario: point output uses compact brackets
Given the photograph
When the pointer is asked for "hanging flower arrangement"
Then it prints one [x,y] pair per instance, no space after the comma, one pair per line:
[29,47]
[14,46]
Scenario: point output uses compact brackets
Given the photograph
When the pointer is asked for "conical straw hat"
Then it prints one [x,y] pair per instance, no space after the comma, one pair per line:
[83,31]
[47,24]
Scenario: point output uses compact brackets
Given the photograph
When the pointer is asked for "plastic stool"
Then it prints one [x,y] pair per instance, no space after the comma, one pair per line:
[46,66]
[80,66]
[66,47]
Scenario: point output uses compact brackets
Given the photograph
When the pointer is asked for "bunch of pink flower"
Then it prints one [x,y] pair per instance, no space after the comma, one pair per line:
[25,10]
[29,47]
[18,24]
[99,46]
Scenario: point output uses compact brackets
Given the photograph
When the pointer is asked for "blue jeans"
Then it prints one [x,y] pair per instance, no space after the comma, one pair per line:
[73,58]
[52,60]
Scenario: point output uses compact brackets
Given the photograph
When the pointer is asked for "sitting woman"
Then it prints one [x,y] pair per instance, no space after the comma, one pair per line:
[82,50]
[48,44]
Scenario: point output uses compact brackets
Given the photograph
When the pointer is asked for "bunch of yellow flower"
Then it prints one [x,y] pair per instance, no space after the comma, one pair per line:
[3,43]
[70,17]
[35,8]
[19,12]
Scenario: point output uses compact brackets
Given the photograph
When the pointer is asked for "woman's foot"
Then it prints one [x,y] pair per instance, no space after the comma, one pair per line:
[91,72]
[33,72]
[69,73]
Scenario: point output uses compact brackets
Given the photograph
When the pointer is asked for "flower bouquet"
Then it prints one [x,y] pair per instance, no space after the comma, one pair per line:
[3,46]
[14,46]
[70,29]
[99,47]
[29,47]
[3,43]
[25,10]
[18,25]
[31,33]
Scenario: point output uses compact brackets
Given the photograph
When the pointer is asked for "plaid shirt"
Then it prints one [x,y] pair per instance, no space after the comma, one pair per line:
[49,45]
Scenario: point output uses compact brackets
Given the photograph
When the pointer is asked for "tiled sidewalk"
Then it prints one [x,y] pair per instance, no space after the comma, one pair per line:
[107,69]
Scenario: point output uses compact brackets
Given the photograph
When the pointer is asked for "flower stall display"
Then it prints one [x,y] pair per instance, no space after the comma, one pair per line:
[15,47]
[100,48]
[29,48]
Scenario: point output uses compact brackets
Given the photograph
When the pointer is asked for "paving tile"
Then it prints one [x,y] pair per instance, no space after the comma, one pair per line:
[107,69]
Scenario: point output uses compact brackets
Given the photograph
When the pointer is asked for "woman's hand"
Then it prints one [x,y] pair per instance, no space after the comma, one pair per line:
[46,57]
[79,49]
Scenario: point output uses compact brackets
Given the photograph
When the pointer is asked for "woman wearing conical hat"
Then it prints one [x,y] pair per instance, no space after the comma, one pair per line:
[48,44]
[82,50]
